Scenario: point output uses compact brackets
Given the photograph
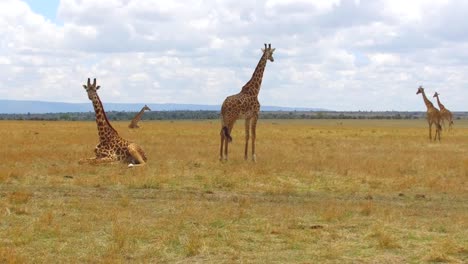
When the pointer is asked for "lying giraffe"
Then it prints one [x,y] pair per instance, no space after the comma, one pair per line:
[111,146]
[244,105]
[433,115]
[445,114]
[137,118]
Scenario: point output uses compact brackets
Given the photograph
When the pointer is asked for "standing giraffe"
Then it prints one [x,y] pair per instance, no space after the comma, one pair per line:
[445,114]
[244,105]
[134,122]
[111,146]
[433,115]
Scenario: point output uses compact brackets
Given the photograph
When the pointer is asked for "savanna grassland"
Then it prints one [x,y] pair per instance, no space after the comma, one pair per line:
[322,191]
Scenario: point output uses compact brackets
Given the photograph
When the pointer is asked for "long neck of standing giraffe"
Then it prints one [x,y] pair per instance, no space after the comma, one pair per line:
[105,130]
[252,87]
[138,116]
[426,101]
[441,106]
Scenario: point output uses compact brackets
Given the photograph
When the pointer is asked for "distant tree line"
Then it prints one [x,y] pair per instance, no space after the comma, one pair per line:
[194,115]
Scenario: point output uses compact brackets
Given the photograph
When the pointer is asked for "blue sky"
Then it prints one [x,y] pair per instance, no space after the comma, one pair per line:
[47,8]
[336,54]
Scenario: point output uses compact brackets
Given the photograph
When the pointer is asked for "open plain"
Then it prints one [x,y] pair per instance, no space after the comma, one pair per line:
[322,191]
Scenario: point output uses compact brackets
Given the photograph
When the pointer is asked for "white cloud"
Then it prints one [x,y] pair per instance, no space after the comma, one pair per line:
[382,59]
[341,54]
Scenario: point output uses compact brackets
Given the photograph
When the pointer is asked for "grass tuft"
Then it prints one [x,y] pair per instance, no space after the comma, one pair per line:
[20,197]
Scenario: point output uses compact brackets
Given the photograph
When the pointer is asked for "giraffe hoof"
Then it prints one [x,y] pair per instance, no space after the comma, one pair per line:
[254,158]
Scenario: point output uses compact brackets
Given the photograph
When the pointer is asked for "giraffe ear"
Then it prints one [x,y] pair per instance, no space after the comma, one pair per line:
[97,87]
[273,49]
[86,87]
[263,50]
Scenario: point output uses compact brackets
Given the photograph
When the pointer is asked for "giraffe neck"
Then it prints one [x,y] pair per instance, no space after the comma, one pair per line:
[426,101]
[252,87]
[441,106]
[139,115]
[105,130]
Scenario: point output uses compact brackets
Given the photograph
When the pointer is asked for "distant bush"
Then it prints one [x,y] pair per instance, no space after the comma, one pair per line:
[197,115]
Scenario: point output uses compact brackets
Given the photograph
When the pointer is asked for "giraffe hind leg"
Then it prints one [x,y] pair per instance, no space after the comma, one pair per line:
[226,143]
[227,139]
[254,136]
[137,155]
[430,131]
[222,144]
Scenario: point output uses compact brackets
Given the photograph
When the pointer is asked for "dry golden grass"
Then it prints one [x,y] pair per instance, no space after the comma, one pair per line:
[322,191]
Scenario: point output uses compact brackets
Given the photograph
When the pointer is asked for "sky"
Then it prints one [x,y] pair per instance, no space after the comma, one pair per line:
[336,54]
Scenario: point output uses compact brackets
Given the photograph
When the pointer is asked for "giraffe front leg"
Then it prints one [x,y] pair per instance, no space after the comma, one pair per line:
[97,161]
[254,136]
[247,135]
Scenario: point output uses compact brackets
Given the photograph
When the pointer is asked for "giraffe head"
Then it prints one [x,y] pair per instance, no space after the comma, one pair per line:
[268,51]
[146,108]
[420,90]
[91,89]
[436,94]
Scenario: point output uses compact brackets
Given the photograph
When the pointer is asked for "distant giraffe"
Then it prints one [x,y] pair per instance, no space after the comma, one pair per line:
[111,146]
[433,115]
[134,122]
[244,105]
[445,114]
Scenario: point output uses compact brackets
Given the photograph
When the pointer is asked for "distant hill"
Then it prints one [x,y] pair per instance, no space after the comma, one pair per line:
[40,107]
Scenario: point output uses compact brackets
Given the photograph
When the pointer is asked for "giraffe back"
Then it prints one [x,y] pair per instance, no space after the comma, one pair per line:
[240,106]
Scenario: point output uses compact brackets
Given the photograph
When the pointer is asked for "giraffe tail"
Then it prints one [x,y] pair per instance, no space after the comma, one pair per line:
[439,127]
[225,131]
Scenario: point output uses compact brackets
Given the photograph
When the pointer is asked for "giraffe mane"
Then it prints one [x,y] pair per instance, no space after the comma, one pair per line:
[104,113]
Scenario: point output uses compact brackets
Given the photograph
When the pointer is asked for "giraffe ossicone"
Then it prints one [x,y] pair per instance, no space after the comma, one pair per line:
[244,105]
[111,147]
